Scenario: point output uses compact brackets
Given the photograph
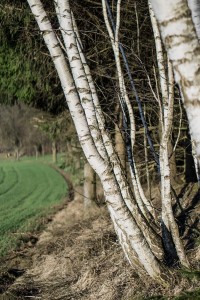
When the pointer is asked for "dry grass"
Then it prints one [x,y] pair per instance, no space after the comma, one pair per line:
[78,257]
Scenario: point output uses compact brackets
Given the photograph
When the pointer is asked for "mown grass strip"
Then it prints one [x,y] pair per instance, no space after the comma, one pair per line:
[28,191]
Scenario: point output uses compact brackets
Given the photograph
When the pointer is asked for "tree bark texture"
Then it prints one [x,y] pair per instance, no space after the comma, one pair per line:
[138,237]
[180,38]
[171,239]
[194,6]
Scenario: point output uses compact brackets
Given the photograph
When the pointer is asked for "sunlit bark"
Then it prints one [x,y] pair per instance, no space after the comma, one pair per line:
[139,249]
[143,203]
[194,6]
[181,41]
[169,226]
[153,240]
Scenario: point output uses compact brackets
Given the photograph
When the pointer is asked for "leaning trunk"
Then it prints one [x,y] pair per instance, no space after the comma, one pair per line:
[140,243]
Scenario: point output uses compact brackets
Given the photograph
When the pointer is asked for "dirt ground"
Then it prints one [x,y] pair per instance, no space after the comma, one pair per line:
[77,257]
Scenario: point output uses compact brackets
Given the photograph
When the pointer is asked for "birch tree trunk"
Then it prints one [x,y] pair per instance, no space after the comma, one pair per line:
[194,6]
[141,200]
[108,144]
[170,231]
[141,245]
[179,34]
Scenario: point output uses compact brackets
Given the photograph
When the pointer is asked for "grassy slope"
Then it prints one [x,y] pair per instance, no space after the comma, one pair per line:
[28,190]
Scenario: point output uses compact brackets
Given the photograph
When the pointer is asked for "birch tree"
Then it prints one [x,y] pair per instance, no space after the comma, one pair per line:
[143,203]
[134,218]
[169,226]
[141,245]
[179,25]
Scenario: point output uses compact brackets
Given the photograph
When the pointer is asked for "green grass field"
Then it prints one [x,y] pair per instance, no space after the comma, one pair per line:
[28,191]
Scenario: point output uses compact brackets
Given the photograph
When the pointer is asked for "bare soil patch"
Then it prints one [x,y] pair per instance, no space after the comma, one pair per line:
[77,257]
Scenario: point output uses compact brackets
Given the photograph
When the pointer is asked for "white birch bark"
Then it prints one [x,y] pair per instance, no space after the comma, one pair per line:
[67,84]
[167,92]
[143,203]
[106,139]
[194,6]
[136,247]
[78,73]
[153,240]
[181,41]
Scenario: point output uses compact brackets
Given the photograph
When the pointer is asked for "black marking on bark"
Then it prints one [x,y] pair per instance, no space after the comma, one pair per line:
[197,72]
[92,127]
[44,19]
[46,32]
[83,90]
[171,256]
[67,10]
[178,39]
[72,45]
[55,57]
[185,83]
[85,100]
[56,45]
[181,13]
[72,91]
[81,112]
[74,58]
